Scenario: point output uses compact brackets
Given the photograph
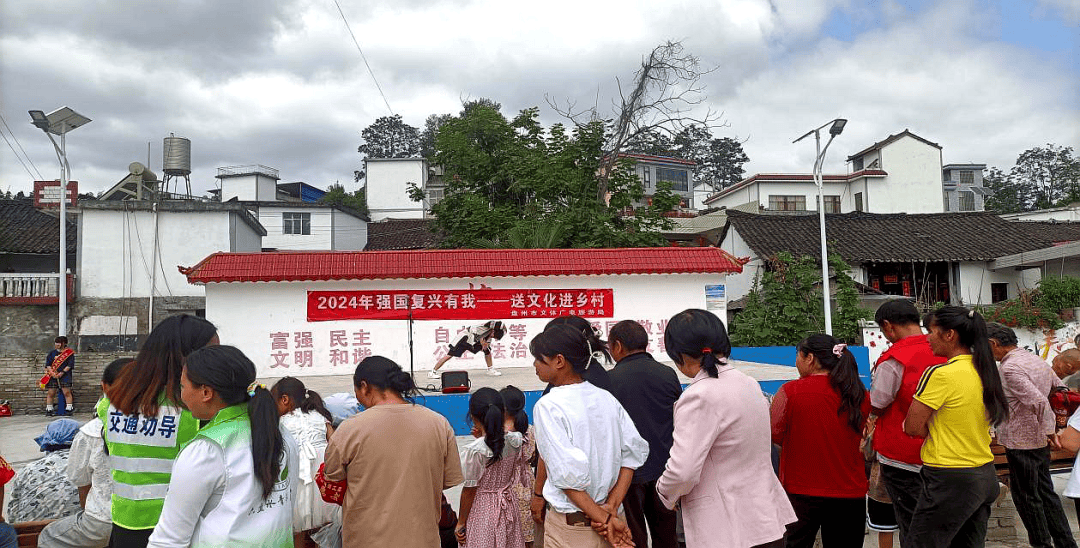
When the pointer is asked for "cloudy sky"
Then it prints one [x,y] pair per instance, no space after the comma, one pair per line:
[281,83]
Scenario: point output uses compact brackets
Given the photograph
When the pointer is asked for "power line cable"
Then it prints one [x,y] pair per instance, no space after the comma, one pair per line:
[20,147]
[17,157]
[362,56]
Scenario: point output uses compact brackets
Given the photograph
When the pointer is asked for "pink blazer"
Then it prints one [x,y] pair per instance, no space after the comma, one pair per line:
[720,468]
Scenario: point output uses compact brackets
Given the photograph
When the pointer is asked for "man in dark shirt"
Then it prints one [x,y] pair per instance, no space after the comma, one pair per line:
[647,390]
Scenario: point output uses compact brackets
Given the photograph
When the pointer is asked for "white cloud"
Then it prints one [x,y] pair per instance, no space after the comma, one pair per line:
[282,84]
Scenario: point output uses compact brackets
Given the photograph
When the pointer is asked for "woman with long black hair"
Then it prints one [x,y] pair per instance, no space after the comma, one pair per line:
[234,484]
[719,471]
[818,421]
[145,425]
[964,397]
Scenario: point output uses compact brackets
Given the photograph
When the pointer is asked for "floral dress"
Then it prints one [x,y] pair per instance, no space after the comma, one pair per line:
[495,520]
[42,490]
[523,488]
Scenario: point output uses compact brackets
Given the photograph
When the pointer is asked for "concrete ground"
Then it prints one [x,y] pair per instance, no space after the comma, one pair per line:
[17,433]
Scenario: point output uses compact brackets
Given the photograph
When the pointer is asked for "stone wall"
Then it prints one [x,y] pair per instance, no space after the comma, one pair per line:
[25,329]
[19,376]
[1003,517]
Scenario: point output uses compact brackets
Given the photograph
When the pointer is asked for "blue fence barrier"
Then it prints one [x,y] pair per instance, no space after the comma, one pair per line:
[455,407]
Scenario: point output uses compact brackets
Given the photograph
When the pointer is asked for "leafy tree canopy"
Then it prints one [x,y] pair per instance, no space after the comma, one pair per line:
[1043,177]
[389,137]
[336,195]
[513,183]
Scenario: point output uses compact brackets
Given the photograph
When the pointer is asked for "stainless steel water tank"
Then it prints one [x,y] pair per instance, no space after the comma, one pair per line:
[176,156]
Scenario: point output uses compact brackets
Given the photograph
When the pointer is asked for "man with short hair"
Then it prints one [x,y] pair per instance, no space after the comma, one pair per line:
[647,390]
[896,377]
[1027,380]
[58,366]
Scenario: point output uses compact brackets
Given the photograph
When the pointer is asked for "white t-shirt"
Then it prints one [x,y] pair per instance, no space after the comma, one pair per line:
[89,465]
[584,436]
[1072,489]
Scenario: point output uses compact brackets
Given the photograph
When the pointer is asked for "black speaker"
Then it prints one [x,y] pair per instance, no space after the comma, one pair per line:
[455,382]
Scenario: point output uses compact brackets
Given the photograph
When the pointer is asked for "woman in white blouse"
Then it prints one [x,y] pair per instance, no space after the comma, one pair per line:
[234,484]
[588,442]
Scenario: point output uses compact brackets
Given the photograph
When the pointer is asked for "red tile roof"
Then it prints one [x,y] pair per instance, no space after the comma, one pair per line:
[457,263]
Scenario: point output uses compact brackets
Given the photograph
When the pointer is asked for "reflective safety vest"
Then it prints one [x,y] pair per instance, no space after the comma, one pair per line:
[244,518]
[141,453]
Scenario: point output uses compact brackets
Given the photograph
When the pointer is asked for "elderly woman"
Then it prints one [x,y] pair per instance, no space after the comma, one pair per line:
[42,489]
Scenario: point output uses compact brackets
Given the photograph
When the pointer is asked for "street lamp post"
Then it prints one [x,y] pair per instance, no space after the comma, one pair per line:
[836,129]
[60,122]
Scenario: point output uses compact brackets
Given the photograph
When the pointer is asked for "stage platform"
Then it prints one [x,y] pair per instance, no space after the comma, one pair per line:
[455,406]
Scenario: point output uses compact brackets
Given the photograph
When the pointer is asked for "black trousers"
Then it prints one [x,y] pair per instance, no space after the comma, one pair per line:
[842,521]
[953,508]
[904,488]
[1036,502]
[129,538]
[642,505]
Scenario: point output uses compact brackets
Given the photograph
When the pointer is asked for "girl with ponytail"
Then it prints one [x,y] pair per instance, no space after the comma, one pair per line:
[488,515]
[819,418]
[394,459]
[307,420]
[234,484]
[964,398]
[720,466]
[516,420]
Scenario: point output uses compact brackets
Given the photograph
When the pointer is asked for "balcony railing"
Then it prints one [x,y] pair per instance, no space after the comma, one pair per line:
[28,288]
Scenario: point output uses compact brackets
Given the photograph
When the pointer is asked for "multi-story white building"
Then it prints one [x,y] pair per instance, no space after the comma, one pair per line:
[902,173]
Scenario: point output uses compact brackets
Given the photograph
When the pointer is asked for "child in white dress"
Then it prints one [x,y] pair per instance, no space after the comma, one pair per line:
[305,417]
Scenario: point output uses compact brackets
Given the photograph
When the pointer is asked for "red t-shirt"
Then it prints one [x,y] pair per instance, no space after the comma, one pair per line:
[819,451]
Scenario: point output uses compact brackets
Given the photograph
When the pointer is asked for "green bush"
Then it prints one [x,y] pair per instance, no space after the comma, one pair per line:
[1057,294]
[786,304]
[1024,311]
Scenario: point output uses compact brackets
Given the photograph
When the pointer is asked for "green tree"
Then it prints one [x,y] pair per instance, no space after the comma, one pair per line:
[388,137]
[1008,195]
[515,183]
[1051,172]
[719,160]
[427,137]
[337,196]
[785,304]
[653,142]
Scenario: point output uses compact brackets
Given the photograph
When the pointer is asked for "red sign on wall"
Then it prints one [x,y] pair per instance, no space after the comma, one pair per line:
[47,193]
[471,304]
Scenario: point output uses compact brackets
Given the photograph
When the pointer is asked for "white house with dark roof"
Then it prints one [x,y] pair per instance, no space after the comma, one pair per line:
[957,258]
[902,173]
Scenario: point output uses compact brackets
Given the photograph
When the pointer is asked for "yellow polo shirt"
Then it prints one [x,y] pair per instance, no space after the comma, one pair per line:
[959,428]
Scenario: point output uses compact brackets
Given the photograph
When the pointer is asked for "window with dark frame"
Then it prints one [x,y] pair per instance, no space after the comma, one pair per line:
[296,223]
[967,177]
[857,164]
[945,195]
[787,203]
[677,177]
[832,204]
[858,201]
[999,292]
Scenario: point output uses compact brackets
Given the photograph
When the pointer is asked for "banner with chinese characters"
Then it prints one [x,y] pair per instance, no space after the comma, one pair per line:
[336,348]
[471,304]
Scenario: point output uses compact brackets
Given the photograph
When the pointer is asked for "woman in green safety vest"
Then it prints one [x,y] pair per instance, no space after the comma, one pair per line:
[145,426]
[234,484]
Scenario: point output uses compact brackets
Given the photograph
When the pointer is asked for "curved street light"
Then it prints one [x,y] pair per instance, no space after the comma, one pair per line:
[837,127]
[60,122]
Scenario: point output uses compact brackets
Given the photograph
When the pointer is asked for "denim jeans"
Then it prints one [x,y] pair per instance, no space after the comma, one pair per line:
[8,537]
[1036,502]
